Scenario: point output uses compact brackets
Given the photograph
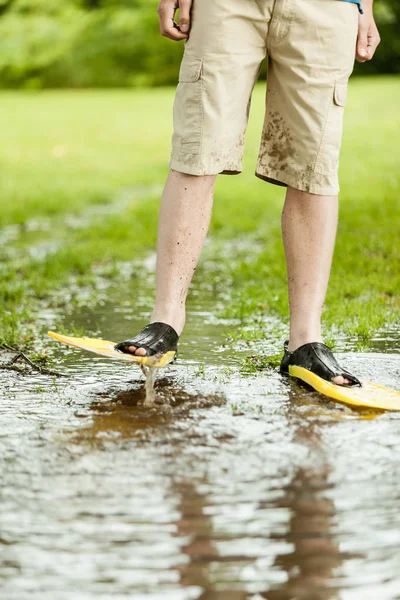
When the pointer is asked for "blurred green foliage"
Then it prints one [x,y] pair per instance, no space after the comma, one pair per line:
[114,43]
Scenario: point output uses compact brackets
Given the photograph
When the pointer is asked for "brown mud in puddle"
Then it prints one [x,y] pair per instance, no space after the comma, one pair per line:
[228,488]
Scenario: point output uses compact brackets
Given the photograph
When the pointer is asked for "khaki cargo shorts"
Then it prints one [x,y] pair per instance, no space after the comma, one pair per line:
[310,46]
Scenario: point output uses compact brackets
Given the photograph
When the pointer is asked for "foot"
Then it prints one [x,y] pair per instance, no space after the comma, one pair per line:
[176,320]
[317,358]
[338,379]
[143,351]
[155,338]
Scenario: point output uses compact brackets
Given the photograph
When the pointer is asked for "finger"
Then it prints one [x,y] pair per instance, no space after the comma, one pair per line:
[168,28]
[373,42]
[184,15]
[362,44]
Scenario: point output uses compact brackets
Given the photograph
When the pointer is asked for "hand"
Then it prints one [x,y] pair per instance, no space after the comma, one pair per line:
[368,34]
[166,13]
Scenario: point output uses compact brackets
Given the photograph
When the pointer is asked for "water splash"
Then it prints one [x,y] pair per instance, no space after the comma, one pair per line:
[151,374]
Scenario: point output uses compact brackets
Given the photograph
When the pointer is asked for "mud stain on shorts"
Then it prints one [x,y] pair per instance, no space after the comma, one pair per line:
[277,146]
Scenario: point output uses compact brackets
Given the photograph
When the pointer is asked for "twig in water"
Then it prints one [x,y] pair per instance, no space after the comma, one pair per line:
[22,356]
[4,345]
[11,367]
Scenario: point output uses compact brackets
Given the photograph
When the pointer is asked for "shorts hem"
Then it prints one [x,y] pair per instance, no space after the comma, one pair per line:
[297,182]
[201,170]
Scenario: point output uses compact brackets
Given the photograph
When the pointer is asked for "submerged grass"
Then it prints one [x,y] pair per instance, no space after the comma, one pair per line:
[64,151]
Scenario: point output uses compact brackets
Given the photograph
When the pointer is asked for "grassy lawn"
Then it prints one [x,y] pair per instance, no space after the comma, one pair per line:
[63,152]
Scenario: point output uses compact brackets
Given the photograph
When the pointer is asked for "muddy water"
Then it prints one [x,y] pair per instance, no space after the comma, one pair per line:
[231,487]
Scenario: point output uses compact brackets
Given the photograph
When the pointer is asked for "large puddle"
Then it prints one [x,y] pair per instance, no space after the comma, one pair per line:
[230,487]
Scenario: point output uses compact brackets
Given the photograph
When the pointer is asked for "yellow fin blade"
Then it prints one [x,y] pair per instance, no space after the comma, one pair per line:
[370,395]
[107,348]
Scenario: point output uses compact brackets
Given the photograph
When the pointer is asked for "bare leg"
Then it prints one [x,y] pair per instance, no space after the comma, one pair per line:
[309,224]
[184,219]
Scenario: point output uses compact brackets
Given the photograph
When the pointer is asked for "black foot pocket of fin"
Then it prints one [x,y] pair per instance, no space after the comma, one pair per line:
[156,338]
[318,359]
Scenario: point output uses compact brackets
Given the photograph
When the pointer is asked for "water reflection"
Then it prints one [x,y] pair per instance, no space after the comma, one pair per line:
[315,557]
[294,557]
[195,529]
[311,555]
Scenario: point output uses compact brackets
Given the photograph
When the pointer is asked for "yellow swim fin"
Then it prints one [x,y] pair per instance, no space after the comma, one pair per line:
[369,395]
[107,349]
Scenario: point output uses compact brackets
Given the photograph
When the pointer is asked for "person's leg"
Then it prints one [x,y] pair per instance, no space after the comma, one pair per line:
[184,218]
[309,224]
[311,55]
[219,68]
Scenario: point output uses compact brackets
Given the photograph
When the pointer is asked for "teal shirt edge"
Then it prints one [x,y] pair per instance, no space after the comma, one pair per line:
[355,2]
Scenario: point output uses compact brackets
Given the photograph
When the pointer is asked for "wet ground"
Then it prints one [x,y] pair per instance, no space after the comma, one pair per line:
[231,487]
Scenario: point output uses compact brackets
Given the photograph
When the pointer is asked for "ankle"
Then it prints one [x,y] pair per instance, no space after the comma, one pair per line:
[174,318]
[299,339]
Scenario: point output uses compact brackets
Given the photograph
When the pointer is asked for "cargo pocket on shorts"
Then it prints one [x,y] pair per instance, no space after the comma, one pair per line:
[327,161]
[188,107]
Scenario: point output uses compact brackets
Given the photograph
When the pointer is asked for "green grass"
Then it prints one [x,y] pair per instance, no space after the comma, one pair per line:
[61,151]
[65,151]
